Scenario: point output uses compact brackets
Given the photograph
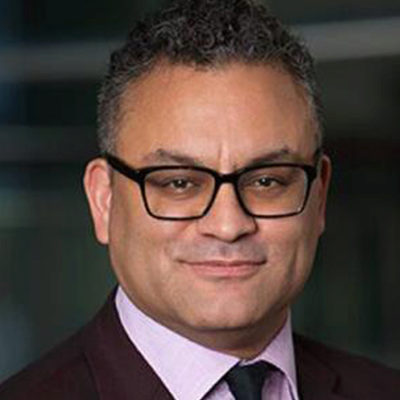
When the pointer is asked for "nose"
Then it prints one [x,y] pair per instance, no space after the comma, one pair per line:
[226,220]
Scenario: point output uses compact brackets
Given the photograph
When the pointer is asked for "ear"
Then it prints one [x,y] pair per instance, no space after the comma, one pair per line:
[325,173]
[97,184]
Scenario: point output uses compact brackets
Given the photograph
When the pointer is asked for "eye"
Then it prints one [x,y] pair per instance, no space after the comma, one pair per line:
[264,181]
[179,184]
[173,184]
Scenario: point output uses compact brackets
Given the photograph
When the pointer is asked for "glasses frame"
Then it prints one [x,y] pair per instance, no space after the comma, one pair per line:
[138,175]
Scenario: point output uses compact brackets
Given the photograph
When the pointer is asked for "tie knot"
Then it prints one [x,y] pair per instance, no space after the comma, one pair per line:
[246,382]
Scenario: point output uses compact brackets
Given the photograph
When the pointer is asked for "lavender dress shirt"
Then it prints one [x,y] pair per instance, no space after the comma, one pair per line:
[193,372]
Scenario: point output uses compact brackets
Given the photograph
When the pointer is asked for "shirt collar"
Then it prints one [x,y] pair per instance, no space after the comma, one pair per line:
[196,369]
[280,353]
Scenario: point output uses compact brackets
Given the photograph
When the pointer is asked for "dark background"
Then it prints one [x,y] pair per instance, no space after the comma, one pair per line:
[53,275]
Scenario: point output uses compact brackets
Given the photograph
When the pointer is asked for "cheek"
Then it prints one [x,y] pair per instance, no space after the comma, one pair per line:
[139,248]
[292,245]
[135,235]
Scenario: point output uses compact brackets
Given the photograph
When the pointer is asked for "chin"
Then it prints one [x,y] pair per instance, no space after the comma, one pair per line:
[226,320]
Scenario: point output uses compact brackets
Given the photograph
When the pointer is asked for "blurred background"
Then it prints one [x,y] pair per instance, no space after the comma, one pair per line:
[53,275]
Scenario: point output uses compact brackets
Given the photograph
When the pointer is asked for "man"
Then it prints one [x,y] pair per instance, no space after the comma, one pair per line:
[210,196]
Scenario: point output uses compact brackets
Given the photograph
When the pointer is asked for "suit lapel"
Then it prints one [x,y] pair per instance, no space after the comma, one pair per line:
[316,381]
[119,370]
[121,373]
[311,390]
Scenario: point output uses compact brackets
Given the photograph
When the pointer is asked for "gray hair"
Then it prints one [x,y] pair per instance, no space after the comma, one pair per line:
[204,34]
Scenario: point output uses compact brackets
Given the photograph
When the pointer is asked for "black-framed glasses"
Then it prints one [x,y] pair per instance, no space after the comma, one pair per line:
[172,192]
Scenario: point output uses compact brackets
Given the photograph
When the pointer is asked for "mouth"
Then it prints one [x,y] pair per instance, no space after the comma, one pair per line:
[224,268]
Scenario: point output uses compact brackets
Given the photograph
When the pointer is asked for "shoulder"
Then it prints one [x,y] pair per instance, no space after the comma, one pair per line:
[61,374]
[353,375]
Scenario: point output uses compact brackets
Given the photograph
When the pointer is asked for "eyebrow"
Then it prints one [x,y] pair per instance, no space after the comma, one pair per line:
[283,154]
[168,156]
[164,156]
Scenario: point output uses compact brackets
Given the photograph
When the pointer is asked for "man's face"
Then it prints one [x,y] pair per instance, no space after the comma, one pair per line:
[227,271]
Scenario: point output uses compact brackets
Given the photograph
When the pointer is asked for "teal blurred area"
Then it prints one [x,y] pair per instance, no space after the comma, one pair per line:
[53,274]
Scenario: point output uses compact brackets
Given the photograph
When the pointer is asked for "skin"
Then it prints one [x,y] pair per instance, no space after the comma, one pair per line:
[226,280]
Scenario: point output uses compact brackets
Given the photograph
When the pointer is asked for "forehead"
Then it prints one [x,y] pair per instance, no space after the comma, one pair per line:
[222,117]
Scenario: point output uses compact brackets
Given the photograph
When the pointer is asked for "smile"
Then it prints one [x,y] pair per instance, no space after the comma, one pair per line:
[225,269]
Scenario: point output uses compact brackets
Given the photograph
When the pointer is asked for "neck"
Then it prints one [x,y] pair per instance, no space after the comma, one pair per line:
[245,343]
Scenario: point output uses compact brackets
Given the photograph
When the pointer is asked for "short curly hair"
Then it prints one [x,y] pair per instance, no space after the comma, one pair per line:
[204,34]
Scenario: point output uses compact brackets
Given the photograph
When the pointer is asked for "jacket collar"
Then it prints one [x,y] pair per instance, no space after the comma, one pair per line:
[115,362]
[316,380]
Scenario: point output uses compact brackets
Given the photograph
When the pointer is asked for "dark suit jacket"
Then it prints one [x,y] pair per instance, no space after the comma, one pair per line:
[99,362]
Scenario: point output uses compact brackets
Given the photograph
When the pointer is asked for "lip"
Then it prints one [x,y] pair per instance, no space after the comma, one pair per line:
[225,268]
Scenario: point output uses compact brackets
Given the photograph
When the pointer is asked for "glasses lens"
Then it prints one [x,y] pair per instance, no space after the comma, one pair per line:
[178,192]
[273,191]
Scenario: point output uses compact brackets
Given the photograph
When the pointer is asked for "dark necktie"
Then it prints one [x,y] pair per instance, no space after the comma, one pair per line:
[246,382]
